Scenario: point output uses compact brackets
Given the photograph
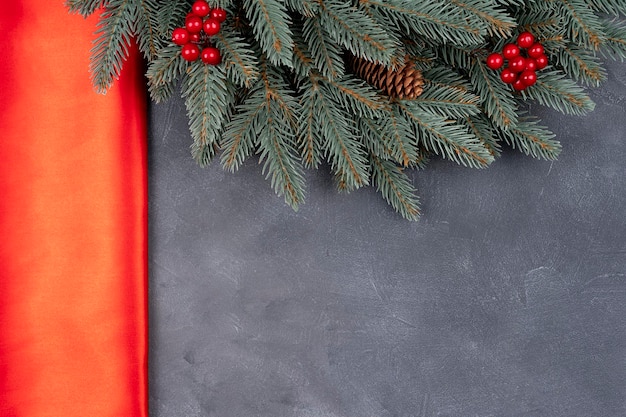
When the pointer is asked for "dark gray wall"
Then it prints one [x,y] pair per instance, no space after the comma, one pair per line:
[507,298]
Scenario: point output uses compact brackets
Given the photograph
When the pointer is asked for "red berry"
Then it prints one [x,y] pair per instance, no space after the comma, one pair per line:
[195,37]
[211,56]
[218,14]
[528,77]
[517,64]
[211,26]
[190,52]
[193,24]
[508,76]
[536,50]
[200,8]
[180,36]
[531,64]
[525,39]
[518,85]
[542,61]
[510,51]
[495,61]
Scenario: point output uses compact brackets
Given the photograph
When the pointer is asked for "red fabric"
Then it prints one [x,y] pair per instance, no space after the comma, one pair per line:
[72,223]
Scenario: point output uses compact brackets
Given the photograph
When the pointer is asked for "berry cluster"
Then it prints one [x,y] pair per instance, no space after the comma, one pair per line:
[524,59]
[200,24]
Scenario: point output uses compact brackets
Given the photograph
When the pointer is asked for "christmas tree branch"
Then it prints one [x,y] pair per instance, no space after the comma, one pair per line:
[85,7]
[325,53]
[355,95]
[356,31]
[399,134]
[496,100]
[583,26]
[111,48]
[533,139]
[448,139]
[164,71]
[580,65]
[499,23]
[553,89]
[270,25]
[147,28]
[336,135]
[480,127]
[207,99]
[436,20]
[395,187]
[240,61]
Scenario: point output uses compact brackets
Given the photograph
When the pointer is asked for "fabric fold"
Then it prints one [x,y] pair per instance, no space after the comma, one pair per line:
[73,241]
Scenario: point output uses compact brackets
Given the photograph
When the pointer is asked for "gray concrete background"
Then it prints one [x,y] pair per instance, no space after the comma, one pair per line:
[508,297]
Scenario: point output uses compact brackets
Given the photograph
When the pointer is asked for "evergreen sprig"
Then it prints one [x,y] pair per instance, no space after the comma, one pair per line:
[286,91]
[208,99]
[113,42]
[270,26]
[533,139]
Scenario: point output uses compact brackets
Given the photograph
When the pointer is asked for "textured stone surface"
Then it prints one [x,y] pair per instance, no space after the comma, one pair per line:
[507,298]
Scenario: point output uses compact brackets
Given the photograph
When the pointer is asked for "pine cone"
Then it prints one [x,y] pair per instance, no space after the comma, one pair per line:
[405,82]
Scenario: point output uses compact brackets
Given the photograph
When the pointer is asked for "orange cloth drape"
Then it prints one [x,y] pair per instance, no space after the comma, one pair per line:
[72,223]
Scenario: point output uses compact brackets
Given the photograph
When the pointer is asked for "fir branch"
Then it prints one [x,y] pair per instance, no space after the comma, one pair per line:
[375,140]
[112,44]
[395,187]
[580,65]
[543,22]
[459,58]
[615,45]
[335,129]
[164,71]
[355,95]
[533,139]
[146,28]
[612,7]
[498,22]
[239,60]
[265,121]
[85,7]
[582,25]
[555,90]
[356,31]
[448,139]
[423,157]
[309,132]
[398,133]
[395,34]
[496,97]
[170,14]
[302,60]
[238,139]
[436,20]
[207,99]
[442,76]
[324,51]
[480,126]
[270,25]
[423,58]
[224,4]
[280,164]
[306,8]
[276,139]
[447,101]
